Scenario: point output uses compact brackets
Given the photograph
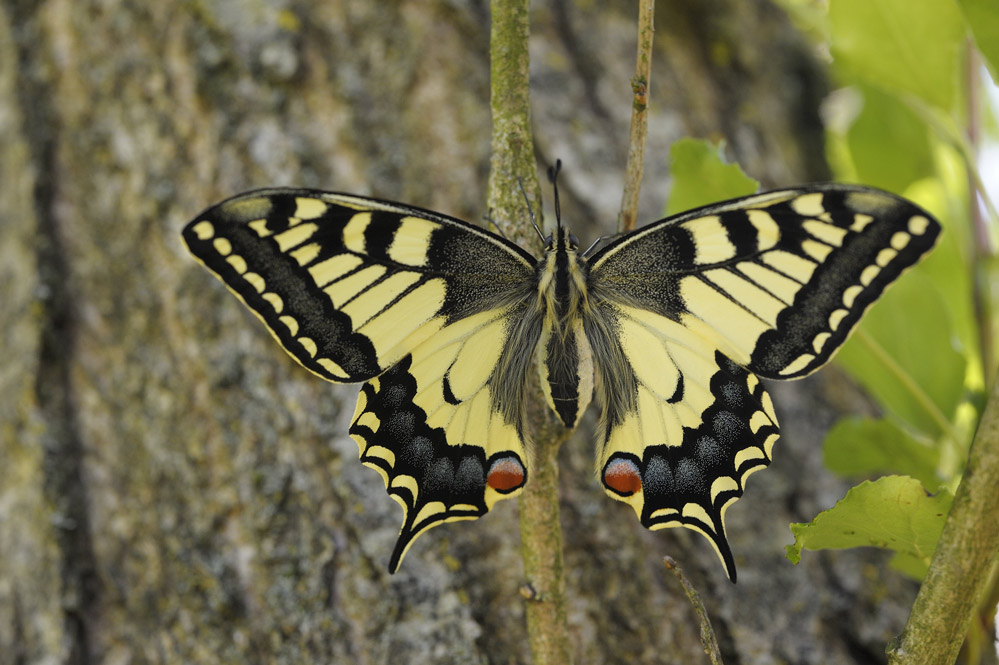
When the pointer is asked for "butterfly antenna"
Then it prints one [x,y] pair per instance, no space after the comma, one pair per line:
[553,178]
[530,210]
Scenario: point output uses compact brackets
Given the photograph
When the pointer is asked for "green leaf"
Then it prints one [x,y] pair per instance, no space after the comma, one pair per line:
[982,18]
[863,446]
[904,356]
[910,46]
[701,176]
[889,143]
[893,512]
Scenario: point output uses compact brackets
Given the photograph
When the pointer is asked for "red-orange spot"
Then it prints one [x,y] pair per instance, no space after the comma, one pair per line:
[622,476]
[505,474]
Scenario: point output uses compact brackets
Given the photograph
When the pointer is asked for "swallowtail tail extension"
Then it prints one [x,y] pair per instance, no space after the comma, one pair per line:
[669,327]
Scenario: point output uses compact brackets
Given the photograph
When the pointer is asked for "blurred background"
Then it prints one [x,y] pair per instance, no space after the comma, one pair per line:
[174,489]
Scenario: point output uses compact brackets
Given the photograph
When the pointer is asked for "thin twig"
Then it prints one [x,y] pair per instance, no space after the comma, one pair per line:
[639,117]
[708,640]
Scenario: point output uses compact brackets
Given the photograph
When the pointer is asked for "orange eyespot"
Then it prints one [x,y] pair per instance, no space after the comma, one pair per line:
[622,476]
[505,474]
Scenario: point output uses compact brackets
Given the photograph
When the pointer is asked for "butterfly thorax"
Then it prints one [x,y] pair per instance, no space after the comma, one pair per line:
[564,356]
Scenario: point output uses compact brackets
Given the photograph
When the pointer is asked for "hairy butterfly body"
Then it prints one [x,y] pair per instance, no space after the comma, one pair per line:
[669,327]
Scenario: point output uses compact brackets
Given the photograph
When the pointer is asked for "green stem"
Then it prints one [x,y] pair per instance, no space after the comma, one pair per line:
[512,166]
[964,557]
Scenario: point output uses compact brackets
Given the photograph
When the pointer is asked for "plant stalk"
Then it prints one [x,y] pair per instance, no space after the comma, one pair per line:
[963,559]
[512,167]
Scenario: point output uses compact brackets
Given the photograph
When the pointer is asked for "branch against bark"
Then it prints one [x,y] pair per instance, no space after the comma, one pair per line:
[639,117]
[963,560]
[511,168]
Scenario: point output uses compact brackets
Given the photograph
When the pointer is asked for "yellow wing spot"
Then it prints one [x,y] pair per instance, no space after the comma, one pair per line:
[222,246]
[657,515]
[899,240]
[750,471]
[696,511]
[332,368]
[204,230]
[255,280]
[295,236]
[275,301]
[237,263]
[758,420]
[885,256]
[791,265]
[827,233]
[836,318]
[309,208]
[260,226]
[809,205]
[373,422]
[409,483]
[918,225]
[751,382]
[820,341]
[711,240]
[723,484]
[767,231]
[798,364]
[410,243]
[353,232]
[430,510]
[290,323]
[333,268]
[381,452]
[816,250]
[860,222]
[308,345]
[870,272]
[306,254]
[747,455]
[850,295]
[768,445]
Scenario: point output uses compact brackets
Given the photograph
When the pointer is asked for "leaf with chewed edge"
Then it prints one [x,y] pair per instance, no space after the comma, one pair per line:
[893,512]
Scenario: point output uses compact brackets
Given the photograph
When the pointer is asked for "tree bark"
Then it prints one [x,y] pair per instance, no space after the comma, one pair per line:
[174,489]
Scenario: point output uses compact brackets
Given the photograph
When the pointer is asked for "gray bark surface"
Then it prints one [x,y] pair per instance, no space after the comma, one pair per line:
[174,489]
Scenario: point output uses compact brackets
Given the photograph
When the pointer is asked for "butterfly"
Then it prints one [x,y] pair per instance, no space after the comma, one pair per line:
[670,327]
